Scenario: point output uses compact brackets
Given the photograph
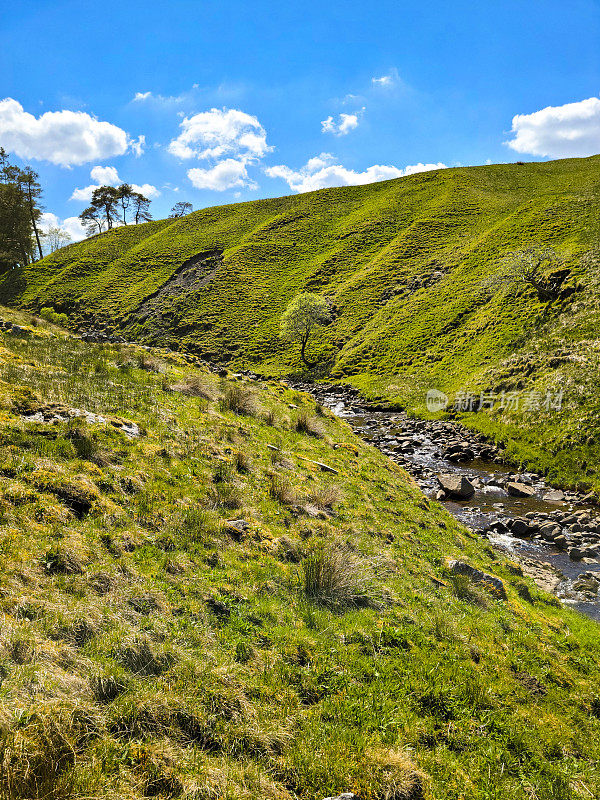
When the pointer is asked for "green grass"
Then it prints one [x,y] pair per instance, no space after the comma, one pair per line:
[402,264]
[152,645]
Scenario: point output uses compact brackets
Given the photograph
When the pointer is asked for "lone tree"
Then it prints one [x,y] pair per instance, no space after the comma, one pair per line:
[140,206]
[55,238]
[538,267]
[181,209]
[303,314]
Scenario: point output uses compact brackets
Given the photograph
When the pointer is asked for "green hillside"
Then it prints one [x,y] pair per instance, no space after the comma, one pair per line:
[213,590]
[402,264]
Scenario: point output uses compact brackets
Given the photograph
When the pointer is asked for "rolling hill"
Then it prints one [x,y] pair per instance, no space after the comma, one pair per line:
[402,264]
[212,589]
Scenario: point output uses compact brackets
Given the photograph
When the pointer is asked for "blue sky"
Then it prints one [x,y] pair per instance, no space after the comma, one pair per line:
[215,102]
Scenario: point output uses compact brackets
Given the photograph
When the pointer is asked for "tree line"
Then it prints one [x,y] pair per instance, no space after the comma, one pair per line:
[23,240]
[121,205]
[20,212]
[115,205]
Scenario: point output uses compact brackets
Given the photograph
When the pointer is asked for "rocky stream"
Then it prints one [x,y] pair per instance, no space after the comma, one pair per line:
[554,534]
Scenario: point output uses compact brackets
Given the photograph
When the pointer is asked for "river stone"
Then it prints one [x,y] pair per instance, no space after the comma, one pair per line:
[517,489]
[344,796]
[477,576]
[575,554]
[554,497]
[520,528]
[587,582]
[560,541]
[456,486]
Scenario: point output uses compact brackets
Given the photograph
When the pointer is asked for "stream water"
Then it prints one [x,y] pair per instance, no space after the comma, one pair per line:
[554,535]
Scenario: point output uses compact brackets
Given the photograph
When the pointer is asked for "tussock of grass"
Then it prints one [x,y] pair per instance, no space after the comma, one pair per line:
[240,401]
[334,576]
[309,425]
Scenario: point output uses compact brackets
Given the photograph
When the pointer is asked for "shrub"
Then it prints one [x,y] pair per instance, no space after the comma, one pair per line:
[50,315]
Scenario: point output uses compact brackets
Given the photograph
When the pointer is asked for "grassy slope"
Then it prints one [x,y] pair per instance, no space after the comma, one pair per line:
[146,649]
[369,249]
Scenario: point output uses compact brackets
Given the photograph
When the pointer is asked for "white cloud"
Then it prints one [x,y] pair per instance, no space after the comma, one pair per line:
[566,131]
[141,96]
[220,132]
[105,176]
[226,174]
[108,176]
[66,138]
[137,146]
[147,189]
[320,172]
[385,80]
[71,225]
[345,123]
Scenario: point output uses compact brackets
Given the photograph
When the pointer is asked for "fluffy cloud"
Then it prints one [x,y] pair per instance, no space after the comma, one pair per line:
[559,131]
[108,176]
[225,175]
[220,132]
[345,123]
[70,225]
[320,172]
[66,138]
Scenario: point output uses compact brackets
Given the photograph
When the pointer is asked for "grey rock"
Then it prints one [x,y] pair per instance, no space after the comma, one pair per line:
[555,496]
[456,486]
[477,576]
[517,489]
[520,528]
[587,582]
[344,796]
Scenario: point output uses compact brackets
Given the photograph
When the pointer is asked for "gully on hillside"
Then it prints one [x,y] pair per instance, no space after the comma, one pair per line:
[555,535]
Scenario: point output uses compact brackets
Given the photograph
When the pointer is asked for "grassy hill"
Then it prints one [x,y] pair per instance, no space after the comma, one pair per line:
[212,589]
[402,264]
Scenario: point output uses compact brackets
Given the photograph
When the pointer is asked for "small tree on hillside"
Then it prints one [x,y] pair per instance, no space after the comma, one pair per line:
[181,209]
[106,199]
[538,267]
[93,220]
[140,207]
[55,238]
[306,312]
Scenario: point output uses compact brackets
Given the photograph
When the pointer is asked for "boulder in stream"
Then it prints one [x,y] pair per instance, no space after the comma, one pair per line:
[456,486]
[518,489]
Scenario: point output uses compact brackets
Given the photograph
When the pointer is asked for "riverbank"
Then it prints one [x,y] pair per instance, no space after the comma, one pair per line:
[554,534]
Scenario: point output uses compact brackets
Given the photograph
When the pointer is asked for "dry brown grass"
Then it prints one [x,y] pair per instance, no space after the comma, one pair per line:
[281,489]
[240,401]
[197,386]
[325,497]
[309,425]
[335,576]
